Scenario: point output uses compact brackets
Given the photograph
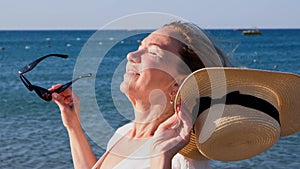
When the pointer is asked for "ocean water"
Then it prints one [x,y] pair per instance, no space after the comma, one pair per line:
[31,131]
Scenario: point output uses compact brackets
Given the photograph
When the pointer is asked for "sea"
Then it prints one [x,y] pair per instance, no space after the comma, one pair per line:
[31,131]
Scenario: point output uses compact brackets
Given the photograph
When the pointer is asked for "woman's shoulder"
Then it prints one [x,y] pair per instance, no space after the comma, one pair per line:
[119,133]
[181,162]
[125,128]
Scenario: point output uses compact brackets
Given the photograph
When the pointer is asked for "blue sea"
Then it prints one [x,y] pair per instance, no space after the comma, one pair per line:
[31,132]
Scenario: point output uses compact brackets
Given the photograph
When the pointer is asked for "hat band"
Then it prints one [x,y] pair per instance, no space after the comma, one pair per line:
[240,99]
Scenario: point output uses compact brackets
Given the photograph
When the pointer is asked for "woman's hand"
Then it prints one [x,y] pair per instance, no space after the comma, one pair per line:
[170,137]
[69,105]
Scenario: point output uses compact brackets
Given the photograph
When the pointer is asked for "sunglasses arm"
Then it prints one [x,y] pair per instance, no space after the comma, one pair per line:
[26,82]
[65,86]
[32,65]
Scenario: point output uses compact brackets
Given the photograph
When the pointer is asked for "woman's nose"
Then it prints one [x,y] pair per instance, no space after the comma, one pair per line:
[134,56]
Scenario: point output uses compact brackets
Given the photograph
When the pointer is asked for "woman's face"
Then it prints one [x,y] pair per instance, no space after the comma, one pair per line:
[152,66]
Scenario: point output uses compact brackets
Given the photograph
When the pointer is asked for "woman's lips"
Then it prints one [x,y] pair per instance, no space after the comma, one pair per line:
[132,72]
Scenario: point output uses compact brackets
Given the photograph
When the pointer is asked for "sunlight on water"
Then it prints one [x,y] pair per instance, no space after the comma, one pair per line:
[32,135]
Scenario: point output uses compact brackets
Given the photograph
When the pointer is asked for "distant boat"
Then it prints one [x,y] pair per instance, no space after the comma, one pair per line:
[252,32]
[239,29]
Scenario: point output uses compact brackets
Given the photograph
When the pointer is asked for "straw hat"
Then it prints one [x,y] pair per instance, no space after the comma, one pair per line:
[239,113]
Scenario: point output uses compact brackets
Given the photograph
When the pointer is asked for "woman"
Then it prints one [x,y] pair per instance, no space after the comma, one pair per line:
[153,76]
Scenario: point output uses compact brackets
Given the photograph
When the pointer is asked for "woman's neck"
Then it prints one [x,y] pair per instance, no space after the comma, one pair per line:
[148,118]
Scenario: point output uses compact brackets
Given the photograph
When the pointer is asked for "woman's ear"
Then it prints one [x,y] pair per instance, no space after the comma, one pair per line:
[173,90]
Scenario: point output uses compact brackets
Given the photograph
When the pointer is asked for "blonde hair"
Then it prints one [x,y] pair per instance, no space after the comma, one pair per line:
[197,50]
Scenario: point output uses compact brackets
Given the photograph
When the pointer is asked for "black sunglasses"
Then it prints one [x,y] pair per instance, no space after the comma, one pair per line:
[45,94]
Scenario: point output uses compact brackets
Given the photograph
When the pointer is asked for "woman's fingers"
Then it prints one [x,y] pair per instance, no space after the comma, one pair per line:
[185,116]
[66,98]
[69,105]
[181,120]
[66,92]
[186,125]
[57,99]
[55,87]
[173,134]
[171,122]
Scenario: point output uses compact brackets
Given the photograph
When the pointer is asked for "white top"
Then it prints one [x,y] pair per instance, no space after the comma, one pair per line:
[138,159]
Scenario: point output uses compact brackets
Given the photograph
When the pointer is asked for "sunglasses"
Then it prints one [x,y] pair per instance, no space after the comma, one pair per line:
[43,93]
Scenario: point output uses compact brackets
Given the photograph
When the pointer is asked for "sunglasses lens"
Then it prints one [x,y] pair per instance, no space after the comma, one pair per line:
[43,93]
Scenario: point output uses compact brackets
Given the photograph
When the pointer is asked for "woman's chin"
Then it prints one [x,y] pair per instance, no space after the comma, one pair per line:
[123,87]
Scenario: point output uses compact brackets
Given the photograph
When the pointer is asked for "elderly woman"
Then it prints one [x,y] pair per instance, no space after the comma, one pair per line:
[154,73]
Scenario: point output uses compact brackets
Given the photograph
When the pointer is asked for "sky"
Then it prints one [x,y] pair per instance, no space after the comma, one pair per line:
[94,14]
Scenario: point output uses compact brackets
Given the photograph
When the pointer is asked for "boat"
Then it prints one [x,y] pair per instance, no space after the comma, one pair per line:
[252,32]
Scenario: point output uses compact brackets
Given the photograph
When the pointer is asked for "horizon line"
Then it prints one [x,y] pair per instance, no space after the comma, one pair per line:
[137,29]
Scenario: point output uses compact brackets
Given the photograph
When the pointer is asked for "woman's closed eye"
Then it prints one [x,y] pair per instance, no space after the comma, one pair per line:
[152,53]
[153,50]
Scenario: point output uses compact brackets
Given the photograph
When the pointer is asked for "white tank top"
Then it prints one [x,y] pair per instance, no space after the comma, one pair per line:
[138,159]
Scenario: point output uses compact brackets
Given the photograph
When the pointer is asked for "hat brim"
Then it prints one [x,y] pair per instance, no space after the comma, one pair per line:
[281,90]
